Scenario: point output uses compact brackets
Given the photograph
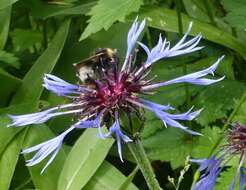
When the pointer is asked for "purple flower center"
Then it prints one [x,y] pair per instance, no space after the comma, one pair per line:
[112,89]
[237,138]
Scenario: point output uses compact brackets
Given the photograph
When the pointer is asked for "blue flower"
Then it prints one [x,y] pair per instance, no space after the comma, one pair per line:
[213,166]
[116,89]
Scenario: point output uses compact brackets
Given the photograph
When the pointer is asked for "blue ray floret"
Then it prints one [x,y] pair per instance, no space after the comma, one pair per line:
[117,89]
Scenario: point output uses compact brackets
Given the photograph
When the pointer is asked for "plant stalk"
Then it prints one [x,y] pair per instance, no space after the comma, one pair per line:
[143,162]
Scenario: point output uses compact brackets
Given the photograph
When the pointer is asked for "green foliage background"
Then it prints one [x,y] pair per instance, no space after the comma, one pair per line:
[38,37]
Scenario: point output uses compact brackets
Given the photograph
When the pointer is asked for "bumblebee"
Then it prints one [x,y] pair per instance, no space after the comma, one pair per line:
[101,60]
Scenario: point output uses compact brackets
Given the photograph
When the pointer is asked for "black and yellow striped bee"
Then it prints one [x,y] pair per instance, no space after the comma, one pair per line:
[102,58]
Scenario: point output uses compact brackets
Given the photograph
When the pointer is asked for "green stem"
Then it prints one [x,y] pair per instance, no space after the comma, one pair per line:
[180,24]
[226,125]
[178,11]
[143,162]
[149,38]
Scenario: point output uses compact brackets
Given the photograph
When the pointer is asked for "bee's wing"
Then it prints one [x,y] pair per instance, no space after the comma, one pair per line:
[88,62]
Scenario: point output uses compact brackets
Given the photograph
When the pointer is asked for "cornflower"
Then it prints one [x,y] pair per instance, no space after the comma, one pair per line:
[117,89]
[213,166]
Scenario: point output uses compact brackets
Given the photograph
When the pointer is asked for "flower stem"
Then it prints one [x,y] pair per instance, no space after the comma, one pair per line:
[143,162]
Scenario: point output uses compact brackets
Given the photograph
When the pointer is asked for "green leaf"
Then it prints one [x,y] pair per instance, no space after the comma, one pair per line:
[236,15]
[9,84]
[196,9]
[10,143]
[167,144]
[31,88]
[166,19]
[24,39]
[49,179]
[83,161]
[51,10]
[226,177]
[9,59]
[107,177]
[106,12]
[76,10]
[217,100]
[6,3]
[240,116]
[204,144]
[5,15]
[125,185]
[8,161]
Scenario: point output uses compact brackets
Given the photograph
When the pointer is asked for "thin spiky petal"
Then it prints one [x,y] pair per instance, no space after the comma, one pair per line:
[133,35]
[44,149]
[114,130]
[40,117]
[193,78]
[162,49]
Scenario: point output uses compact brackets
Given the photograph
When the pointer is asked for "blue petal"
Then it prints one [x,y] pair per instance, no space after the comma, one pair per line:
[154,105]
[212,168]
[163,50]
[132,37]
[41,117]
[61,87]
[194,78]
[114,130]
[242,182]
[44,149]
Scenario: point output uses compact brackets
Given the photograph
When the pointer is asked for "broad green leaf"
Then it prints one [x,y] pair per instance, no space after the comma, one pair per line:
[6,3]
[10,142]
[236,15]
[49,179]
[21,178]
[4,25]
[106,12]
[217,100]
[107,177]
[125,185]
[76,10]
[9,84]
[31,88]
[8,161]
[166,19]
[196,9]
[204,143]
[167,144]
[51,10]
[84,160]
